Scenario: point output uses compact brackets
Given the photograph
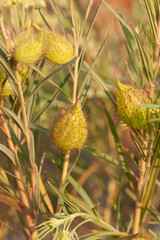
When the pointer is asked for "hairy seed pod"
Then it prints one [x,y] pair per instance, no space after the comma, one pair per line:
[71,131]
[5,86]
[57,48]
[127,98]
[28,48]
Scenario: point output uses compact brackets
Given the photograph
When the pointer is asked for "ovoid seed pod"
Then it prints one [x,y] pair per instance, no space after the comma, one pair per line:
[5,86]
[28,48]
[57,48]
[127,99]
[71,131]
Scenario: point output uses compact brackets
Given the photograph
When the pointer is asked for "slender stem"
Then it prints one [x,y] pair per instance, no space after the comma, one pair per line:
[140,192]
[24,115]
[65,168]
[20,184]
[75,80]
[64,174]
[21,99]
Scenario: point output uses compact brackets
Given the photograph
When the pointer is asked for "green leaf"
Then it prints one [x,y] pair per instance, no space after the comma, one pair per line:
[142,55]
[44,20]
[129,36]
[155,167]
[8,153]
[118,201]
[50,100]
[82,193]
[31,149]
[91,66]
[151,17]
[65,199]
[88,34]
[63,20]
[40,84]
[97,153]
[39,128]
[18,143]
[139,147]
[86,16]
[109,236]
[37,190]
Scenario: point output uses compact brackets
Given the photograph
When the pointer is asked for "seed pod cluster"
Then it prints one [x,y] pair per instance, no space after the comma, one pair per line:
[71,131]
[128,98]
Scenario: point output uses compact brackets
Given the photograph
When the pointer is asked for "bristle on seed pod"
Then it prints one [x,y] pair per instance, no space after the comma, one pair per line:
[71,131]
[28,48]
[128,98]
[57,48]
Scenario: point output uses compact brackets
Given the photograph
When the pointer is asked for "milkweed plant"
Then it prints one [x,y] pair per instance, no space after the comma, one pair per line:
[79,146]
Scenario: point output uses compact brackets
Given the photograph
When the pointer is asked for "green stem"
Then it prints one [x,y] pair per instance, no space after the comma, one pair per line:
[25,122]
[75,80]
[64,174]
[140,191]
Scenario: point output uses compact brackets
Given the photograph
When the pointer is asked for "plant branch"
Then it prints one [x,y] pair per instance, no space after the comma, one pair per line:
[22,102]
[21,99]
[75,79]
[140,190]
[64,174]
[25,202]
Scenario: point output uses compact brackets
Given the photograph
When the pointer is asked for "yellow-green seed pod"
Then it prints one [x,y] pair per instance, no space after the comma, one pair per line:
[28,48]
[71,131]
[5,86]
[127,98]
[57,48]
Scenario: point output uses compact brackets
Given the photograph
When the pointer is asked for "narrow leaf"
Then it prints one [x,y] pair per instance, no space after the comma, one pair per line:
[151,18]
[81,192]
[8,153]
[142,55]
[32,149]
[66,200]
[45,196]
[11,114]
[10,202]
